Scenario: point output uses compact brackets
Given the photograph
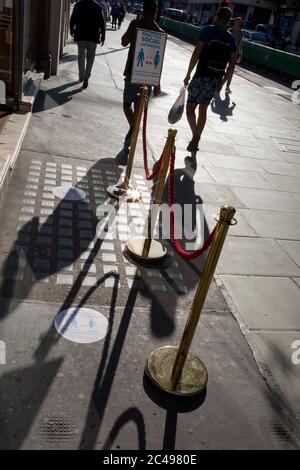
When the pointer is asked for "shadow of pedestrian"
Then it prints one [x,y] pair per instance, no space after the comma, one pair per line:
[55,97]
[222,107]
[45,246]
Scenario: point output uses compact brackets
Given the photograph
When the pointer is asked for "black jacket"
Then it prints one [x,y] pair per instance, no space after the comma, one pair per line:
[87,22]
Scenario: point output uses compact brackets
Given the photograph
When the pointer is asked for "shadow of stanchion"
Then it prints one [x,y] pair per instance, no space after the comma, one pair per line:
[105,377]
[131,415]
[173,406]
[163,307]
[36,251]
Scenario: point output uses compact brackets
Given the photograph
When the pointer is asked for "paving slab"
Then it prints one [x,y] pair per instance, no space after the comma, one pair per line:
[279,168]
[292,247]
[261,303]
[281,350]
[236,163]
[238,178]
[267,199]
[255,256]
[58,394]
[269,224]
[284,183]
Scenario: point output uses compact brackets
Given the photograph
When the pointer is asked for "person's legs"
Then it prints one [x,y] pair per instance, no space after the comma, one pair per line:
[81,59]
[191,117]
[200,92]
[201,121]
[91,52]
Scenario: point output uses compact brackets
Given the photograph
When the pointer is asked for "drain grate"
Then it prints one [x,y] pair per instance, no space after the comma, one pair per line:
[281,432]
[57,429]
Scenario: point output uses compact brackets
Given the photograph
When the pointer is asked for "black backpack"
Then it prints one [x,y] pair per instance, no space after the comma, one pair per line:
[218,55]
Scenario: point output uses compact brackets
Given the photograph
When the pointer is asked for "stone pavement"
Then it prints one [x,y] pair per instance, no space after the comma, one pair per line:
[60,394]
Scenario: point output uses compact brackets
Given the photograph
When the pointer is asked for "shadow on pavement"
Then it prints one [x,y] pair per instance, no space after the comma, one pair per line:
[173,405]
[222,107]
[131,415]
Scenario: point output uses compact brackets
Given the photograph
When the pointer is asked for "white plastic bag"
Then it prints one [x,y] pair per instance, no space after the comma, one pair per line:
[177,109]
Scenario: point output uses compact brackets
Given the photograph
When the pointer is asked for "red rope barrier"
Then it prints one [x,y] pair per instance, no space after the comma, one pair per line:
[157,169]
[175,241]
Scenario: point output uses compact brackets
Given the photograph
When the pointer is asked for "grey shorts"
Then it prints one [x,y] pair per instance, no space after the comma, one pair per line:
[131,90]
[201,90]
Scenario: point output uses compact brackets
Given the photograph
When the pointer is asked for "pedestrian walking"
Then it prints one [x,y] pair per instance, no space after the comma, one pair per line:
[121,15]
[115,12]
[215,57]
[131,90]
[237,34]
[87,26]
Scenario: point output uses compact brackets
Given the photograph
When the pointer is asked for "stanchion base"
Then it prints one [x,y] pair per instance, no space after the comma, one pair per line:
[134,247]
[159,367]
[130,194]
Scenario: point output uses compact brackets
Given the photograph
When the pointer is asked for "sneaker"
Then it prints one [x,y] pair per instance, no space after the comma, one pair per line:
[85,83]
[227,90]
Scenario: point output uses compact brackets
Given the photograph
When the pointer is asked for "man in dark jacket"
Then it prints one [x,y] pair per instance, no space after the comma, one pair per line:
[87,26]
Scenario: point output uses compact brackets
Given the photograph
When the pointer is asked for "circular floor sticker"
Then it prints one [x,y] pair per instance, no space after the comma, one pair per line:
[69,193]
[82,325]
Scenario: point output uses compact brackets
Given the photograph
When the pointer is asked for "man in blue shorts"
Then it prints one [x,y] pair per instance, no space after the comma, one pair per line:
[215,57]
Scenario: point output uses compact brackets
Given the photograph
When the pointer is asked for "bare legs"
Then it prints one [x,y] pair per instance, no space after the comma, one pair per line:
[129,112]
[196,125]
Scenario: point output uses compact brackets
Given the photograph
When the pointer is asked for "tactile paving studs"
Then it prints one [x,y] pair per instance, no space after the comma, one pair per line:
[69,193]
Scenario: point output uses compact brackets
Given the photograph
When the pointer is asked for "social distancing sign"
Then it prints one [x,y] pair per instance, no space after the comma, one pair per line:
[148,57]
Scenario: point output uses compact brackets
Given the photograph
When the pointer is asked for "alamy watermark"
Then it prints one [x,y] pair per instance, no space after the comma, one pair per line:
[296,93]
[2,353]
[2,92]
[296,354]
[128,221]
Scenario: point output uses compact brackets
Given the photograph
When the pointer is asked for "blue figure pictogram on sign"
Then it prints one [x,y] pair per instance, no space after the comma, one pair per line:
[140,58]
[156,60]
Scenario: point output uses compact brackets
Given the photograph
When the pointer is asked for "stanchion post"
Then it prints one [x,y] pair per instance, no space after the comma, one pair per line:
[137,123]
[123,189]
[168,150]
[175,370]
[145,248]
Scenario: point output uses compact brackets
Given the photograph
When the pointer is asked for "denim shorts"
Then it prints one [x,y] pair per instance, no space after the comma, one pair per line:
[201,90]
[131,90]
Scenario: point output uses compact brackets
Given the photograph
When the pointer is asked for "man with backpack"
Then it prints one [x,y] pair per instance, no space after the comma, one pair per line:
[215,57]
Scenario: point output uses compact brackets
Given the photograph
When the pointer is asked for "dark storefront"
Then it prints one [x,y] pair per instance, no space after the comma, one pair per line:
[30,30]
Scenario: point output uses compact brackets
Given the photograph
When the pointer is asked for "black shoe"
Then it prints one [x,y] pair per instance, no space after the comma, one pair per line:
[85,83]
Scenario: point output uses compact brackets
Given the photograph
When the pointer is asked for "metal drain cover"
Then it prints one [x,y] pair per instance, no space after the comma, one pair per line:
[57,429]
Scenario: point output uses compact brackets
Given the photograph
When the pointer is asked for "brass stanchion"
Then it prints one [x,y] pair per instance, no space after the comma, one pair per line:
[145,248]
[125,190]
[175,370]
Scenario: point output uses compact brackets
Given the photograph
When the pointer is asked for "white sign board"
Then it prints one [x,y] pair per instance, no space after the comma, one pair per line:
[148,57]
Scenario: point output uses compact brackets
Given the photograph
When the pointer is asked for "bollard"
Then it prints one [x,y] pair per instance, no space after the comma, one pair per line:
[175,370]
[145,248]
[125,190]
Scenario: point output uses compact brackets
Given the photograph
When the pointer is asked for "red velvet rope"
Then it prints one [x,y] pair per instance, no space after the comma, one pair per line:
[175,242]
[157,169]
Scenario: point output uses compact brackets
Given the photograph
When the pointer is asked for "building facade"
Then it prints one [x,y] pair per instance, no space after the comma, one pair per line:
[32,33]
[253,12]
